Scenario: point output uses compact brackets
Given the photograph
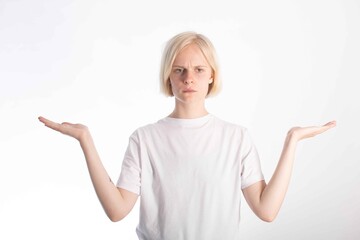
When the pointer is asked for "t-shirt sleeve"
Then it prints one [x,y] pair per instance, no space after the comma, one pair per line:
[130,176]
[251,169]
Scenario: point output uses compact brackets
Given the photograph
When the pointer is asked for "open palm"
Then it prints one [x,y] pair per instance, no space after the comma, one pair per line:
[300,133]
[76,131]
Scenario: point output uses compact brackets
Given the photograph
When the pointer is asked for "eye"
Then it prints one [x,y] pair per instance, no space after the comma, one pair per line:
[178,70]
[199,70]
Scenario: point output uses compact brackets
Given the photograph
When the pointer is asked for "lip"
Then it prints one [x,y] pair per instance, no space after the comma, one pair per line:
[189,90]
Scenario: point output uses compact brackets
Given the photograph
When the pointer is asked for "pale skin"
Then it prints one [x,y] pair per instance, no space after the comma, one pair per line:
[190,79]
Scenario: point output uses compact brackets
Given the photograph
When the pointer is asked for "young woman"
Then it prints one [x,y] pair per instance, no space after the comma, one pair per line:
[190,167]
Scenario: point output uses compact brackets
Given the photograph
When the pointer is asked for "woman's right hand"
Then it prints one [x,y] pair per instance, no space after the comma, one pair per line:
[77,131]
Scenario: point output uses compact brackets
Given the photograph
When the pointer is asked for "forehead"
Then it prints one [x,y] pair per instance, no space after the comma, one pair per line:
[190,54]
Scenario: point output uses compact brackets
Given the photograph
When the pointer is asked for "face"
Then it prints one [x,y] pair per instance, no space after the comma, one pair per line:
[190,75]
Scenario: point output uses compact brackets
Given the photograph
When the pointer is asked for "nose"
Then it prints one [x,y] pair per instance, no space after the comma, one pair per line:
[188,78]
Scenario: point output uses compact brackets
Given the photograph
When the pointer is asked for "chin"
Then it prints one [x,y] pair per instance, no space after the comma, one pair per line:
[189,100]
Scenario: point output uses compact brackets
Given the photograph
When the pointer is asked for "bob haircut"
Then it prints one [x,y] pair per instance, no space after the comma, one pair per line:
[173,48]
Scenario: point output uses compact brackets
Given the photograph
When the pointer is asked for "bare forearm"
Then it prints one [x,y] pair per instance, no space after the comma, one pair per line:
[274,192]
[266,200]
[108,194]
[117,203]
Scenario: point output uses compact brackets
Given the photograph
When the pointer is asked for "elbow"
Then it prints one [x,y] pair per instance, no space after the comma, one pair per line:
[267,216]
[116,217]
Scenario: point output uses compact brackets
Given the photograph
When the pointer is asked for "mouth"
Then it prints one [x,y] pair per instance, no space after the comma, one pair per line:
[189,90]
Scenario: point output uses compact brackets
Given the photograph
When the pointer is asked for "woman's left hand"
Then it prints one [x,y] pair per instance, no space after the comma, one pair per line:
[300,133]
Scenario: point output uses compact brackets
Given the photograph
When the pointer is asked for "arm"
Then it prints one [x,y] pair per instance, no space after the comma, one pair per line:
[266,199]
[116,202]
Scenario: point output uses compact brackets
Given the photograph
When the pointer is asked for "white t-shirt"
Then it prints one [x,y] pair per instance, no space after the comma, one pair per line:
[189,174]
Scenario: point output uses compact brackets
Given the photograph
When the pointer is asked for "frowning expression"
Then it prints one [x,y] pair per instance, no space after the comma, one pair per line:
[190,75]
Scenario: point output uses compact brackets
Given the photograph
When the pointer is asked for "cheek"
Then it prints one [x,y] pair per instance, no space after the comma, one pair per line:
[173,80]
[174,85]
[205,79]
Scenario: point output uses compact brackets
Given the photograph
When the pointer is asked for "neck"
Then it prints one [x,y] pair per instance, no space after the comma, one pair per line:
[188,111]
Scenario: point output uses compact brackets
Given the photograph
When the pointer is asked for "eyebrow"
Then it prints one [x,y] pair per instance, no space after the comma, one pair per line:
[178,66]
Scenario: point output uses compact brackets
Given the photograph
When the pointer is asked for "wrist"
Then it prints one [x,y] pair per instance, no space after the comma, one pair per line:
[85,137]
[291,137]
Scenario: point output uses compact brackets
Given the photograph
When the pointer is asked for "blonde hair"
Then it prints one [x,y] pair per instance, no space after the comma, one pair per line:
[173,48]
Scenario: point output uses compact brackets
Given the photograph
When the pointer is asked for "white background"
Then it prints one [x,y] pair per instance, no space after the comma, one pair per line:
[284,63]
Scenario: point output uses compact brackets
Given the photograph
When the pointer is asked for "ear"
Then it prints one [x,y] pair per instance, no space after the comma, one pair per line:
[211,80]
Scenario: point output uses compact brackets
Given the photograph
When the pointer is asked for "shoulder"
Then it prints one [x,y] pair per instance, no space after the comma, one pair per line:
[237,134]
[230,126]
[146,129]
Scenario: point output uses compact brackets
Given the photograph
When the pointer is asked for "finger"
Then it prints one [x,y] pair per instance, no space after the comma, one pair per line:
[44,120]
[326,127]
[330,124]
[50,124]
[41,119]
